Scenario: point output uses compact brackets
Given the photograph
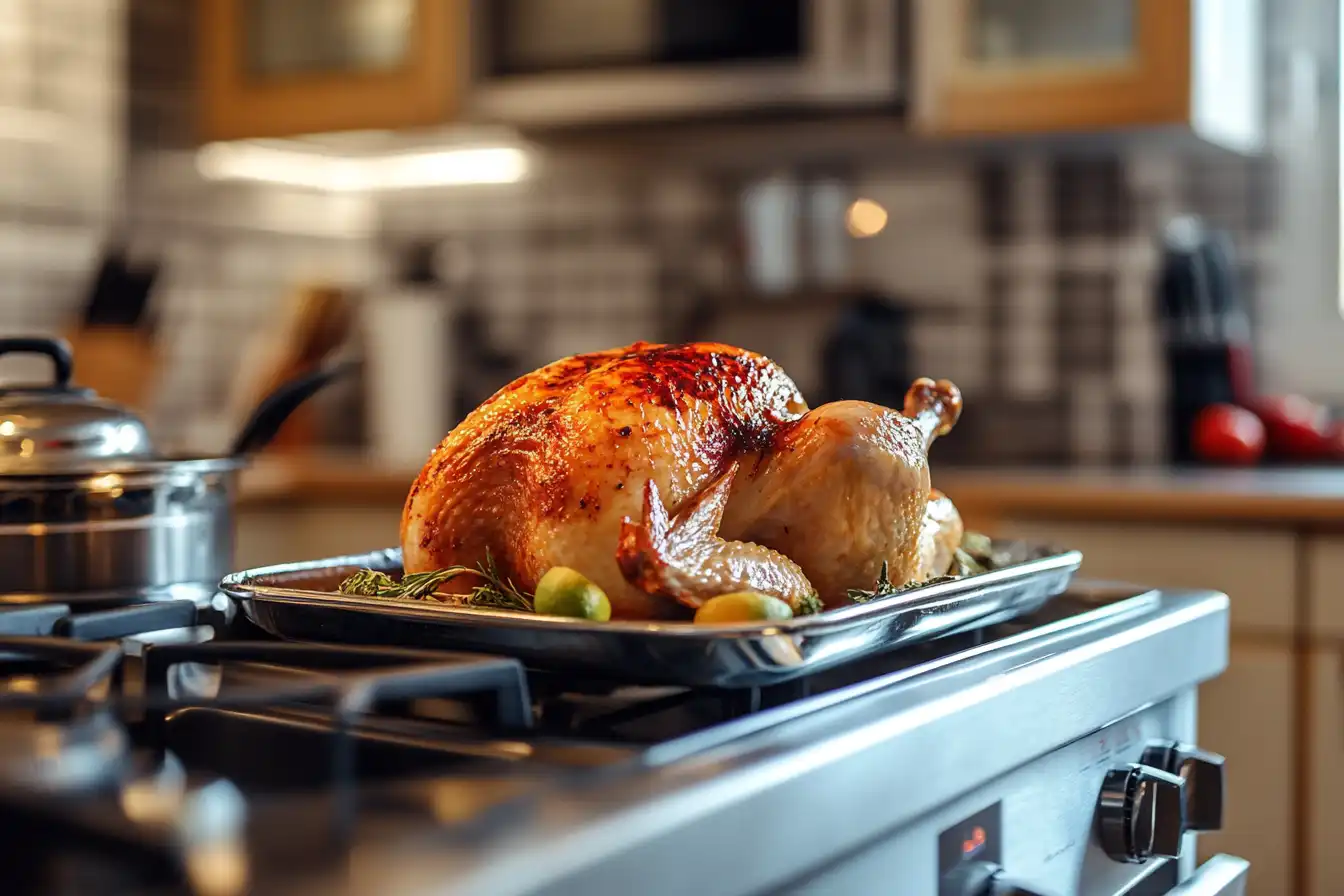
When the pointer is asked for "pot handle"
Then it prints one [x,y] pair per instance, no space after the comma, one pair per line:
[58,350]
[276,407]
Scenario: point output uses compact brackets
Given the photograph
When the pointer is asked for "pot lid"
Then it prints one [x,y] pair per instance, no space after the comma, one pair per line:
[55,427]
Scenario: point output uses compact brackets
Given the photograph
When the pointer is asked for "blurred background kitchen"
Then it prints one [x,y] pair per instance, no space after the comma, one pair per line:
[1098,217]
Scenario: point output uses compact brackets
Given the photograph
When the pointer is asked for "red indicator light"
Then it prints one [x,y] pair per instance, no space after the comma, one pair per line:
[974,842]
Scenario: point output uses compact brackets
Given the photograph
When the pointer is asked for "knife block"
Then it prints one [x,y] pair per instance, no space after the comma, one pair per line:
[119,363]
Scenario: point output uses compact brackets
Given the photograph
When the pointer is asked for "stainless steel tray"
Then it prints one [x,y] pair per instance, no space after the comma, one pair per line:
[298,601]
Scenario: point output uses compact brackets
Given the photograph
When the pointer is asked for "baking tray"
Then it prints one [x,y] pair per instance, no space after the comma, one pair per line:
[298,601]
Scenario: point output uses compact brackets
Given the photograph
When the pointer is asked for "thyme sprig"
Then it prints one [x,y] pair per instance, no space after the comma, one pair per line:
[495,591]
[882,588]
[975,555]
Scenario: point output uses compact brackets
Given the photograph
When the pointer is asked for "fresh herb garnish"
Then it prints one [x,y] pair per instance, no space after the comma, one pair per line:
[881,589]
[808,605]
[370,583]
[967,564]
[975,555]
[495,591]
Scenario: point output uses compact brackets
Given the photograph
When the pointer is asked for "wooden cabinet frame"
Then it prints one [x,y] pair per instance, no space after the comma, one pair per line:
[425,91]
[955,96]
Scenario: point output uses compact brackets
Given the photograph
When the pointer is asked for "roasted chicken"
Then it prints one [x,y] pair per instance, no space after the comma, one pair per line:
[669,474]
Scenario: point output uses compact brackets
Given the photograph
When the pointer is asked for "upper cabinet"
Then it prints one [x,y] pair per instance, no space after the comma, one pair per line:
[988,67]
[275,68]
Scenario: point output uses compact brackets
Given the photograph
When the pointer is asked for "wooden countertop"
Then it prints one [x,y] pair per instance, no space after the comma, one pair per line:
[1275,497]
[322,480]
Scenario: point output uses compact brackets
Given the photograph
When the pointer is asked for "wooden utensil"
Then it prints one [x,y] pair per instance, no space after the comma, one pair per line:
[313,325]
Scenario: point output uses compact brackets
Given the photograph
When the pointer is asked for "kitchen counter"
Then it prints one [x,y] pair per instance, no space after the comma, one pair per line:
[1254,496]
[1271,496]
[279,481]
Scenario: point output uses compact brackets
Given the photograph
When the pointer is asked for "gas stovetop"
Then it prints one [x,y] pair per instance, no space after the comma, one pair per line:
[172,748]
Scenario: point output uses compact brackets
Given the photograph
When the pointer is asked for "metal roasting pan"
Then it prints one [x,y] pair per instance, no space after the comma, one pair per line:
[298,601]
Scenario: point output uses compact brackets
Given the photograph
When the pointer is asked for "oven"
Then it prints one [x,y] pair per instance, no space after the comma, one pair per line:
[664,59]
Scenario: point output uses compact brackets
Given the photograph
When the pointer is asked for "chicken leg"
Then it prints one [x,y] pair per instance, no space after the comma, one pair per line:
[841,491]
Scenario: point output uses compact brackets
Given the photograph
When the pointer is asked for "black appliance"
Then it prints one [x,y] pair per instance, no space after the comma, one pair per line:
[866,356]
[568,62]
[1205,328]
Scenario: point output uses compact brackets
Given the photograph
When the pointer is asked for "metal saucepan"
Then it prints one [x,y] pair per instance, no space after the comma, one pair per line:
[91,515]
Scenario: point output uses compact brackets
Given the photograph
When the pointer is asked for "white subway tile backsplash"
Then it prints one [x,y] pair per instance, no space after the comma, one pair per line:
[951,350]
[1090,417]
[1134,299]
[1139,365]
[1030,352]
[589,254]
[1031,197]
[681,198]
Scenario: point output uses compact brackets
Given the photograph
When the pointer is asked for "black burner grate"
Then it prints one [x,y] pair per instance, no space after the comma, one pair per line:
[56,677]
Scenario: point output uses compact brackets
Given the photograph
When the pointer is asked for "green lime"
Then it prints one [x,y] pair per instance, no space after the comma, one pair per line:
[742,606]
[568,592]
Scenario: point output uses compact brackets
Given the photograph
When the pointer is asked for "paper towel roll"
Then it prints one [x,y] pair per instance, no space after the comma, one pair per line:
[407,376]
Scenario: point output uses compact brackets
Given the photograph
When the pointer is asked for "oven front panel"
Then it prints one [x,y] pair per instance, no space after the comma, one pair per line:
[1038,823]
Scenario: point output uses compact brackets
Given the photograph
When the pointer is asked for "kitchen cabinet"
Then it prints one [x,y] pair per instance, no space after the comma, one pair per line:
[1028,66]
[277,535]
[1246,714]
[274,68]
[1256,567]
[1325,720]
[1325,572]
[1325,872]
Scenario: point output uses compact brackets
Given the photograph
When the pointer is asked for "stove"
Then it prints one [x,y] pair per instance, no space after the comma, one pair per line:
[171,748]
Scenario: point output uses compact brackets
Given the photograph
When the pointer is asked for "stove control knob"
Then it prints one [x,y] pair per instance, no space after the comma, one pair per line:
[1141,814]
[983,879]
[1202,772]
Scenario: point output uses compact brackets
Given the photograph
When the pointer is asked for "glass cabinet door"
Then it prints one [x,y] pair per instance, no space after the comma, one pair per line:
[1003,66]
[288,37]
[276,68]
[1034,32]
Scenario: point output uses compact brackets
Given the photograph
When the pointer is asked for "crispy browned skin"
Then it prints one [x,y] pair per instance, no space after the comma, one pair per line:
[547,470]
[544,471]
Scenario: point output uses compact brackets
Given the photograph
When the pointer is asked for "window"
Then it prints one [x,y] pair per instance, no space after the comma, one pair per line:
[1301,333]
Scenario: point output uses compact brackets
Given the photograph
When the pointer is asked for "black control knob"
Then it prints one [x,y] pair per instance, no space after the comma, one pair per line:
[1141,813]
[1202,772]
[983,879]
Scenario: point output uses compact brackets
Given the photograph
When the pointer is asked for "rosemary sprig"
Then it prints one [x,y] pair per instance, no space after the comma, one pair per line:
[370,583]
[495,591]
[881,589]
[498,592]
[975,555]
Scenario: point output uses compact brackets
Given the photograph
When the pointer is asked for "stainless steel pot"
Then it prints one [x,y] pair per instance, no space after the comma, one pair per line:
[89,514]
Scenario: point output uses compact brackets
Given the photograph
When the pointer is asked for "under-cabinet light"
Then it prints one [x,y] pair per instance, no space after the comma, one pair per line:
[353,174]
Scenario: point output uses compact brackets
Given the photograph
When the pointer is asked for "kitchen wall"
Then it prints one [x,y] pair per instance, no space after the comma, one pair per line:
[1030,269]
[1035,273]
[61,150]
[84,158]
[1030,274]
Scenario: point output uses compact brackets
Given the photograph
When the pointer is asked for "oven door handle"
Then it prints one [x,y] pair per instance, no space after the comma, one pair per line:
[1221,875]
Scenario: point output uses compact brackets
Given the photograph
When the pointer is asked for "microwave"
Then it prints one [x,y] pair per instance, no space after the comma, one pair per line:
[573,62]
